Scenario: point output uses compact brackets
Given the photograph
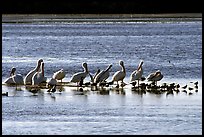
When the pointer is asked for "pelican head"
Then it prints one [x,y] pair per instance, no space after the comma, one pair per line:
[121,63]
[12,71]
[39,61]
[110,66]
[84,65]
[157,72]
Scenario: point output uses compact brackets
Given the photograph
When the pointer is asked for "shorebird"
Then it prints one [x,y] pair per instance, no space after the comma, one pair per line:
[28,77]
[103,75]
[59,75]
[137,74]
[184,87]
[39,77]
[77,77]
[16,79]
[156,76]
[119,75]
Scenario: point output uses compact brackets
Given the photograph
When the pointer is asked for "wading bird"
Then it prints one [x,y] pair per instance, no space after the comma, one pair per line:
[156,76]
[103,75]
[119,75]
[59,75]
[137,74]
[38,77]
[28,77]
[80,76]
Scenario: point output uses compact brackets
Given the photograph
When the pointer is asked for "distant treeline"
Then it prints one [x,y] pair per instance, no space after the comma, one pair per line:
[101,7]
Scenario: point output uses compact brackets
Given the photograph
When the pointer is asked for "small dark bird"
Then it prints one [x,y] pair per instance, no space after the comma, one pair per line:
[184,87]
[190,93]
[196,87]
[133,83]
[196,83]
[169,92]
[190,88]
[177,86]
[142,78]
[53,89]
[81,89]
[184,91]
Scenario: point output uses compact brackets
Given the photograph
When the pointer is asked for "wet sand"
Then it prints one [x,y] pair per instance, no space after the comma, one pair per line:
[31,18]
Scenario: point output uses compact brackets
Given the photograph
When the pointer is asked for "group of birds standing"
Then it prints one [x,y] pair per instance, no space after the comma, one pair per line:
[36,76]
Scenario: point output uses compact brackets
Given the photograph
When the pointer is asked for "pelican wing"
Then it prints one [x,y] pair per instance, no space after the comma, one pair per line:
[119,75]
[18,79]
[59,75]
[77,77]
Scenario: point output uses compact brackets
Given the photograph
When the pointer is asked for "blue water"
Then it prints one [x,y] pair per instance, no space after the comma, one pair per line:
[175,48]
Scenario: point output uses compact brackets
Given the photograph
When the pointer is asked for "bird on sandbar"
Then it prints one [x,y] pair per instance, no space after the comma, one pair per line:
[28,77]
[137,74]
[156,76]
[59,75]
[119,75]
[77,77]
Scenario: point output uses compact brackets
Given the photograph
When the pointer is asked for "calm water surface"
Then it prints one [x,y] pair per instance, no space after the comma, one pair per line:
[173,47]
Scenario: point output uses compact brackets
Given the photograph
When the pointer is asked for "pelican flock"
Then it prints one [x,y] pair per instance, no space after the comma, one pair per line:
[36,76]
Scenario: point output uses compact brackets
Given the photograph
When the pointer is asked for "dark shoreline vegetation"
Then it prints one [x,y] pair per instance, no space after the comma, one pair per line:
[78,18]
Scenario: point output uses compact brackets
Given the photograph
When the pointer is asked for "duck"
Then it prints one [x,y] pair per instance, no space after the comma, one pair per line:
[119,75]
[28,77]
[156,76]
[59,75]
[137,74]
[77,77]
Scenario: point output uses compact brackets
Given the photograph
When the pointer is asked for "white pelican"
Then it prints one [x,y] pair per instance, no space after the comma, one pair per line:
[94,76]
[9,80]
[59,75]
[103,75]
[38,77]
[80,76]
[137,74]
[16,79]
[156,76]
[119,75]
[28,77]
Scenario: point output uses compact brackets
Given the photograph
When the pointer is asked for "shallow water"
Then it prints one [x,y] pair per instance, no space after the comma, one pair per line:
[173,47]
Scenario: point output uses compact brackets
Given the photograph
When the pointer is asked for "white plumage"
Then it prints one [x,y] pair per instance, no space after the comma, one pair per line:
[103,75]
[137,74]
[16,79]
[28,77]
[59,75]
[119,75]
[38,77]
[156,76]
[77,77]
